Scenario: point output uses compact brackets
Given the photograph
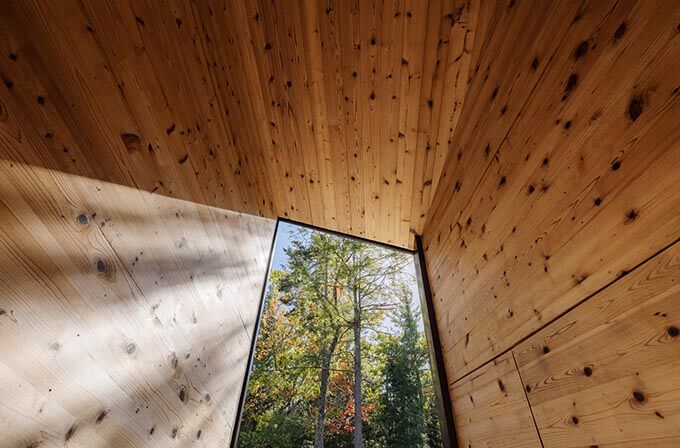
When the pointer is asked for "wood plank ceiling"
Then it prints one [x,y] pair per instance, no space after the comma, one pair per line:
[338,114]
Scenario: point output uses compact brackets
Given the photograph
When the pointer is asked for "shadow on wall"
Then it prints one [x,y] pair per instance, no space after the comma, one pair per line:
[125,318]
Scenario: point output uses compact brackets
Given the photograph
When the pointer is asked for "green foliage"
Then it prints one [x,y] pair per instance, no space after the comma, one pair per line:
[311,306]
[276,430]
[402,416]
[279,390]
[433,434]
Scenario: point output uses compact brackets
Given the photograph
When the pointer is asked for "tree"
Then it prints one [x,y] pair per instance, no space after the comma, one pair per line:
[313,282]
[351,284]
[327,361]
[403,416]
[433,433]
[372,274]
[278,390]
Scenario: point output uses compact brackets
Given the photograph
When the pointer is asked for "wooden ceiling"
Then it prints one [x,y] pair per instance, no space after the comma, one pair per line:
[338,114]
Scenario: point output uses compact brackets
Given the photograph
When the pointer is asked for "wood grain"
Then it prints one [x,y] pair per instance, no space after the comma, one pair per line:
[563,173]
[125,318]
[490,408]
[605,373]
[535,146]
[334,113]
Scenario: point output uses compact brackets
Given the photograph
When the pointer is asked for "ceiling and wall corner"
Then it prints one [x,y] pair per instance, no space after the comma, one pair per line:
[126,317]
[534,145]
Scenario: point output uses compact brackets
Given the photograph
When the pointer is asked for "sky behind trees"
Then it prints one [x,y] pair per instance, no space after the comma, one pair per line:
[279,260]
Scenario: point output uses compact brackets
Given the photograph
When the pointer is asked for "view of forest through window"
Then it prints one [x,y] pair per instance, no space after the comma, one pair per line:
[341,358]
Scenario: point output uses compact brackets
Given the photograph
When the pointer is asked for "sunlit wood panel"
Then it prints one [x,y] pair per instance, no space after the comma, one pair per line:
[126,319]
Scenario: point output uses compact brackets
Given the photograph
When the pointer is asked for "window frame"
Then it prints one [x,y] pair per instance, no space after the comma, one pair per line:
[439,378]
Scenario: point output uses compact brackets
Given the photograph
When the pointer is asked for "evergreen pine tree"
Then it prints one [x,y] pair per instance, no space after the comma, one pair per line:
[403,415]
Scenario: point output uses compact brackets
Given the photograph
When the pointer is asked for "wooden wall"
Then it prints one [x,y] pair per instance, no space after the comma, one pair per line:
[337,114]
[490,407]
[604,374]
[551,234]
[126,318]
[601,375]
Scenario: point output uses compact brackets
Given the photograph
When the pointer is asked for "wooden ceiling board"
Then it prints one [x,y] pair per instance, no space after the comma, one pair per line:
[562,175]
[336,114]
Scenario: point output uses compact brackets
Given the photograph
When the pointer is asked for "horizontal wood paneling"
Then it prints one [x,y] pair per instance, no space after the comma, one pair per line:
[338,114]
[490,408]
[125,318]
[605,374]
[563,171]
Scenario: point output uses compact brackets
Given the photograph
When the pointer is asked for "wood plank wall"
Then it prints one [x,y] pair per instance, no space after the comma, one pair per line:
[490,407]
[337,114]
[561,187]
[605,373]
[601,375]
[126,318]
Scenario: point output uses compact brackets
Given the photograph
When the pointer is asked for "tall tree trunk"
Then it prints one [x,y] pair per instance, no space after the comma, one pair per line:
[323,390]
[357,373]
